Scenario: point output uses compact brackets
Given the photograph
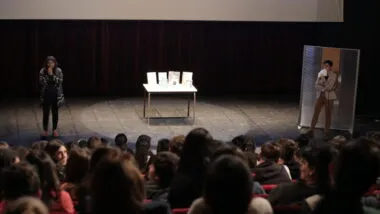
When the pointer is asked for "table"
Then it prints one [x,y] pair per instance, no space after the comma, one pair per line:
[150,89]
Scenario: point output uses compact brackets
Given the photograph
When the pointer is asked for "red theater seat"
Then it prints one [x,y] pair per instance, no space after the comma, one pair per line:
[180,211]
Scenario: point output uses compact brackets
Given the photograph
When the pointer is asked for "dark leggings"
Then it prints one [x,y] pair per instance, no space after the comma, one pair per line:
[50,103]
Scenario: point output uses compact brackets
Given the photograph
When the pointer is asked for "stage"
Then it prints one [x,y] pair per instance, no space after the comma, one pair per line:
[265,119]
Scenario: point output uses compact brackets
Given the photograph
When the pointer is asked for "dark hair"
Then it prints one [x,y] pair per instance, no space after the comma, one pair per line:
[319,159]
[121,141]
[142,151]
[196,153]
[270,151]
[50,58]
[288,149]
[163,145]
[329,62]
[77,165]
[47,172]
[52,147]
[103,153]
[21,151]
[176,144]
[94,142]
[245,143]
[228,149]
[39,145]
[124,189]
[357,167]
[165,166]
[20,180]
[224,198]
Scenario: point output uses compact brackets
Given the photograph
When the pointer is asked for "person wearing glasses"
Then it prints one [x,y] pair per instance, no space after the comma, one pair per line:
[51,94]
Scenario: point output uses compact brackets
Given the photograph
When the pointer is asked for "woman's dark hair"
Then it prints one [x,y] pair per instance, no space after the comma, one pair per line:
[103,153]
[48,175]
[233,198]
[21,151]
[77,165]
[117,187]
[319,159]
[19,180]
[163,145]
[50,58]
[197,150]
[245,143]
[39,145]
[142,151]
[52,147]
[121,141]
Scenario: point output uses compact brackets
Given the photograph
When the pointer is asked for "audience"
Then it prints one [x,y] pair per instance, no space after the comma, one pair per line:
[163,145]
[221,198]
[161,172]
[196,172]
[314,177]
[143,152]
[176,144]
[268,171]
[27,205]
[187,184]
[355,171]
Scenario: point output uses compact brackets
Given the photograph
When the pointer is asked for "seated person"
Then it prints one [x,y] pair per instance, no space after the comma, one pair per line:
[160,174]
[268,171]
[287,157]
[314,178]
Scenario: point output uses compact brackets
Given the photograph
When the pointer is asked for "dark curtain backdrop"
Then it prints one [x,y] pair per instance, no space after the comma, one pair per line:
[104,58]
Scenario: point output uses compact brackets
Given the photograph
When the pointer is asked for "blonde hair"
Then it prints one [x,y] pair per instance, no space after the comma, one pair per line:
[27,205]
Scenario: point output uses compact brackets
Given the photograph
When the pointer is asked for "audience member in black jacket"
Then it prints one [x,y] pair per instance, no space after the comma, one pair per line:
[268,171]
[314,178]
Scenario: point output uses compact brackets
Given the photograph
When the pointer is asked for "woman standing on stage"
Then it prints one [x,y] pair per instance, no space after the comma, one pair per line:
[51,94]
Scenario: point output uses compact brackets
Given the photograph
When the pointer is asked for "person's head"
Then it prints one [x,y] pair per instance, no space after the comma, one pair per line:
[357,167]
[288,149]
[94,142]
[176,144]
[270,152]
[228,149]
[47,172]
[27,205]
[197,150]
[314,166]
[338,141]
[8,157]
[4,145]
[19,180]
[142,151]
[117,187]
[50,62]
[77,165]
[21,151]
[39,145]
[121,141]
[234,197]
[245,143]
[163,145]
[328,64]
[57,151]
[103,153]
[163,167]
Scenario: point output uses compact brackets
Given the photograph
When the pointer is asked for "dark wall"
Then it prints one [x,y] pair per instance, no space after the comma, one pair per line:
[111,57]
